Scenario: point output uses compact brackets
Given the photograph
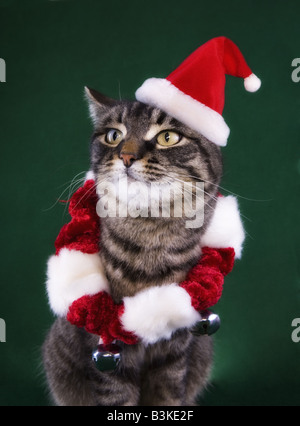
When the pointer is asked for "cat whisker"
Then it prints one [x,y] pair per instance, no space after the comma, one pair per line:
[232,193]
[190,192]
[191,183]
[71,188]
[224,189]
[215,198]
[73,179]
[87,194]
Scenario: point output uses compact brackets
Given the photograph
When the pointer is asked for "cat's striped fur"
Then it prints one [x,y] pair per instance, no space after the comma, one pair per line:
[139,253]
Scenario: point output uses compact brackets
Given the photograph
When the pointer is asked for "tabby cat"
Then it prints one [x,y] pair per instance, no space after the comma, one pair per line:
[144,144]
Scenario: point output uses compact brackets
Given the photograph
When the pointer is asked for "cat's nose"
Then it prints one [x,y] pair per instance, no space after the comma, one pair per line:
[128,159]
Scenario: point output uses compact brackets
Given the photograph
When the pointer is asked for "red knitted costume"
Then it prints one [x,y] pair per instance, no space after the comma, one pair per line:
[98,313]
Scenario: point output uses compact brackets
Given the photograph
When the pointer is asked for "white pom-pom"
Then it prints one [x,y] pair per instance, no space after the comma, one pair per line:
[252,83]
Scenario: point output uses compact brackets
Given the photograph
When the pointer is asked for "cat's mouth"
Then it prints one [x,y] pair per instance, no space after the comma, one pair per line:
[141,176]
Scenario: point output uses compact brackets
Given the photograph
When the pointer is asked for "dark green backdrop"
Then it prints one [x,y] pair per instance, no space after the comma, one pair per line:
[52,49]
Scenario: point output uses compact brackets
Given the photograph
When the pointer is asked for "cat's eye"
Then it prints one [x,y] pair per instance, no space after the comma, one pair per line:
[114,136]
[168,138]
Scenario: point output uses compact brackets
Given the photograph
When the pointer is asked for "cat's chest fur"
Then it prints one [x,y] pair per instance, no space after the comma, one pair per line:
[139,253]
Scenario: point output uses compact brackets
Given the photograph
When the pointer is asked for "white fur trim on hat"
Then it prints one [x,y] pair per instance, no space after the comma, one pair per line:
[155,313]
[226,228]
[72,274]
[163,94]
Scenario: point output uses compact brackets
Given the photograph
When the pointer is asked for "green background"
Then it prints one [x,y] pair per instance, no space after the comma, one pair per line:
[52,49]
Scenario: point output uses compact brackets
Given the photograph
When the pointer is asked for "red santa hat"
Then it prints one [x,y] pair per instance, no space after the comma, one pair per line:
[194,92]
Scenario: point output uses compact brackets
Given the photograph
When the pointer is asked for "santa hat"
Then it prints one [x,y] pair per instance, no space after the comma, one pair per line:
[194,92]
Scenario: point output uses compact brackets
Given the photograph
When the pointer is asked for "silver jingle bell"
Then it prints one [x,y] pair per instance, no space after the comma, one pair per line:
[209,324]
[107,357]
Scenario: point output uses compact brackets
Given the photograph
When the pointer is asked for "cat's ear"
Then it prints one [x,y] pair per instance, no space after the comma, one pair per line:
[97,102]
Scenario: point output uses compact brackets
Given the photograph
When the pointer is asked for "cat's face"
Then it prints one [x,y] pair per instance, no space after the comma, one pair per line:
[145,145]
